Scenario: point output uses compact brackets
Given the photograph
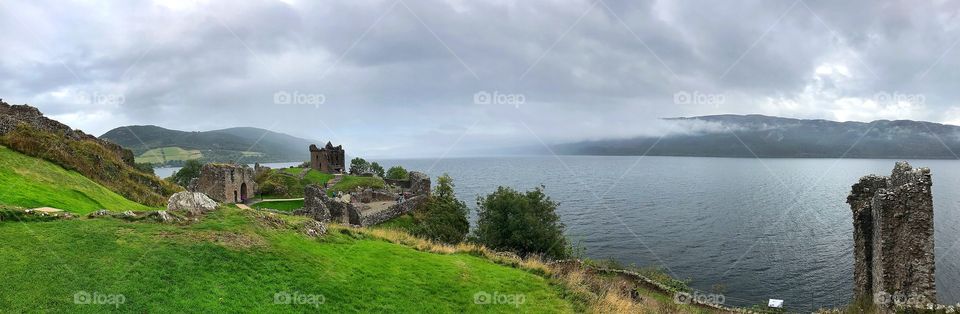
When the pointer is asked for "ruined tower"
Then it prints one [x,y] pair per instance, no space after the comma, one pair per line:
[329,159]
[893,236]
[225,183]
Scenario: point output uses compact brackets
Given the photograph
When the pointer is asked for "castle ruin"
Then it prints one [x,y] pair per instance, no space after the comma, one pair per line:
[329,159]
[225,183]
[893,237]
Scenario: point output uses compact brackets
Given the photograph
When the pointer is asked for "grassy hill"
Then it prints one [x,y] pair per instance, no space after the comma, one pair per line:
[236,261]
[164,154]
[30,182]
[24,129]
[234,144]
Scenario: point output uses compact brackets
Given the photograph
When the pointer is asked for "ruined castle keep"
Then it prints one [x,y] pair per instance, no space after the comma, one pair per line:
[225,183]
[328,159]
[893,236]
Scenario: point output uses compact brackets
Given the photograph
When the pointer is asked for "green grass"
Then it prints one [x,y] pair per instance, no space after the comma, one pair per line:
[32,182]
[288,178]
[280,205]
[317,177]
[404,223]
[348,183]
[229,263]
[164,154]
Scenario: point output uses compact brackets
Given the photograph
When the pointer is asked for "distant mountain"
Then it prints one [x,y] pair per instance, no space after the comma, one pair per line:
[158,145]
[765,136]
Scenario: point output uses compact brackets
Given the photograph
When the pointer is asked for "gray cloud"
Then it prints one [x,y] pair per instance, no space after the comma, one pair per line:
[399,77]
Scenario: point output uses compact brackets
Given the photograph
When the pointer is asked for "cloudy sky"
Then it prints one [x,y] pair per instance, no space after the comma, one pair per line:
[427,78]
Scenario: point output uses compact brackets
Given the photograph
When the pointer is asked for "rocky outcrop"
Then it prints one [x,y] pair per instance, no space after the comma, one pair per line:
[893,236]
[13,115]
[191,203]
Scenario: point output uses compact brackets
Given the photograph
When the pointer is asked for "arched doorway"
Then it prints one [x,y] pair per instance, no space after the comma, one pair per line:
[243,192]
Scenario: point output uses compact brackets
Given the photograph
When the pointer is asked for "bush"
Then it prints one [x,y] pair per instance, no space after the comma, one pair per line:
[396,173]
[376,169]
[525,223]
[190,170]
[359,166]
[442,217]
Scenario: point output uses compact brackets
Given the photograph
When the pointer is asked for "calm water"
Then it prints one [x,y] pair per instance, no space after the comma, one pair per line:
[763,228]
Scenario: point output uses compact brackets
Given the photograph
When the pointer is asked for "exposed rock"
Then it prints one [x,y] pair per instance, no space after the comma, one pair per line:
[99,213]
[192,203]
[162,216]
[313,228]
[893,236]
[419,183]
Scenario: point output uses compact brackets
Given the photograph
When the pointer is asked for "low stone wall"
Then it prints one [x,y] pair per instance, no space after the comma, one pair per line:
[393,212]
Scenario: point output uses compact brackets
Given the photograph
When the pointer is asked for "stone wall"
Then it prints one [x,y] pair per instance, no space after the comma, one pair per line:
[893,236]
[394,211]
[419,183]
[226,183]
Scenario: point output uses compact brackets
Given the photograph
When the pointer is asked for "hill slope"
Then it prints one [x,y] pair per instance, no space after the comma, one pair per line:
[246,144]
[26,130]
[732,135]
[30,182]
[234,261]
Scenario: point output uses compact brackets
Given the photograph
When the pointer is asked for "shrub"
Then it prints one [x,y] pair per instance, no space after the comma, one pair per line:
[396,173]
[190,170]
[442,218]
[359,166]
[525,223]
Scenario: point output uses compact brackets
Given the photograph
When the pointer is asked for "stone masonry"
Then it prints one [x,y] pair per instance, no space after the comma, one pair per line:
[225,183]
[893,236]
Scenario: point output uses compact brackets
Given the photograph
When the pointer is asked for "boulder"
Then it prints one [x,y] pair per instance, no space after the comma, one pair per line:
[192,203]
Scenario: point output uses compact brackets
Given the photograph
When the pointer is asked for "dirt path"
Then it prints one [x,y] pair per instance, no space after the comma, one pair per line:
[243,206]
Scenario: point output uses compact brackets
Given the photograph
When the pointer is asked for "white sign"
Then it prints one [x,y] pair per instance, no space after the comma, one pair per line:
[775,303]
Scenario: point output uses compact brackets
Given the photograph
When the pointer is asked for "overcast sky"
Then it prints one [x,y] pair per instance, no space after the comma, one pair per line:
[412,77]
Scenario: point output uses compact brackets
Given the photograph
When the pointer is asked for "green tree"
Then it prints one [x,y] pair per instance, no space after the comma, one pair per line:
[442,218]
[525,223]
[190,170]
[359,166]
[376,169]
[396,173]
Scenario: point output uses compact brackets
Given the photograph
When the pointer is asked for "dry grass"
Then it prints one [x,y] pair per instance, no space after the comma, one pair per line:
[595,292]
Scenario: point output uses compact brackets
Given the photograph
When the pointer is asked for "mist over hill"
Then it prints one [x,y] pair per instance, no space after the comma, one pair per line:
[247,144]
[766,136]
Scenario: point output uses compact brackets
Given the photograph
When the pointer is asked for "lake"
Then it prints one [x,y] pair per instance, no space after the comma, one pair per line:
[761,228]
